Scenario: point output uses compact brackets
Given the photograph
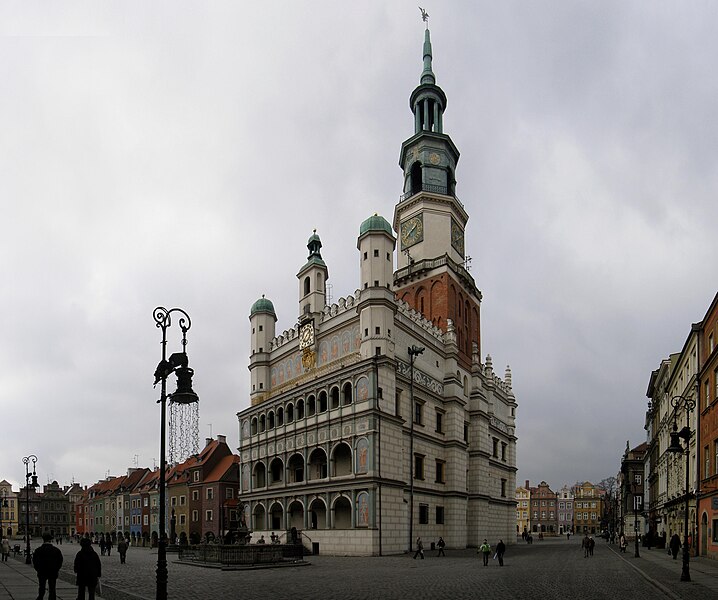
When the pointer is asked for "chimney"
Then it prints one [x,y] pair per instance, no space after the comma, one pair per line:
[207,442]
[222,439]
[527,484]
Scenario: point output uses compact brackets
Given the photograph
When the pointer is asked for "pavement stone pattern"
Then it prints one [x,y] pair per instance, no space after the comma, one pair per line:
[552,568]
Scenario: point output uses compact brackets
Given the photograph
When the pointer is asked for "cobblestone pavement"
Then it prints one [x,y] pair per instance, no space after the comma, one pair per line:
[549,569]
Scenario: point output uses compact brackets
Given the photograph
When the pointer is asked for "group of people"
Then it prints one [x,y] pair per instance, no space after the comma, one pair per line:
[588,544]
[47,560]
[484,549]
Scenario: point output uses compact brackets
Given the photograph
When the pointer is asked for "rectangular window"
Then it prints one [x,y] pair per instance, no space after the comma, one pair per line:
[146,501]
[229,492]
[397,403]
[439,422]
[440,468]
[503,488]
[376,253]
[146,519]
[195,495]
[715,465]
[466,432]
[183,519]
[210,494]
[439,515]
[183,500]
[208,515]
[173,501]
[423,514]
[195,476]
[495,453]
[418,466]
[706,462]
[715,530]
[195,516]
[417,412]
[503,451]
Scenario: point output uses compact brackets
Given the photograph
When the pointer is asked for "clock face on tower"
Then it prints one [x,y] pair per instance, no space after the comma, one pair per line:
[457,237]
[306,335]
[412,231]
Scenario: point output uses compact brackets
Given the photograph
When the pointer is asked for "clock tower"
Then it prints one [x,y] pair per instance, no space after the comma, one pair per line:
[430,221]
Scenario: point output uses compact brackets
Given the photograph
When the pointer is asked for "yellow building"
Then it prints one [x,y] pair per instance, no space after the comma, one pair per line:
[523,513]
[586,508]
[8,510]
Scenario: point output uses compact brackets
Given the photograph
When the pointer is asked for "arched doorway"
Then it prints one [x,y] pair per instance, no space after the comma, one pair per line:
[317,514]
[342,513]
[704,534]
[295,514]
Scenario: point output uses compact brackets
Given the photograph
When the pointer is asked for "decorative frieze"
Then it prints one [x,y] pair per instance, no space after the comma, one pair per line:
[420,377]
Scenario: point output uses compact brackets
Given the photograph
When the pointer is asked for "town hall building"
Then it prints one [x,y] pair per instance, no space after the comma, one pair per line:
[375,420]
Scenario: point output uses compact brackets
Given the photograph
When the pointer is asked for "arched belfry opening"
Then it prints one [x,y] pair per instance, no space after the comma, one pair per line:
[415,177]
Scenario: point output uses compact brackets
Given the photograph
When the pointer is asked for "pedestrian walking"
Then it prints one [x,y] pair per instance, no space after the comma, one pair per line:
[584,544]
[89,570]
[500,549]
[47,560]
[122,549]
[485,550]
[622,544]
[675,545]
[102,544]
[591,545]
[108,544]
[440,544]
[419,548]
[5,549]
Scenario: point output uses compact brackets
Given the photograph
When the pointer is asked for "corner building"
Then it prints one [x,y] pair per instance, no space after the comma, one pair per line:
[339,441]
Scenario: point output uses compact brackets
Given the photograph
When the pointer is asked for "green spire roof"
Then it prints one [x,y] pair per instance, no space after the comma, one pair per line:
[263,305]
[375,223]
[427,75]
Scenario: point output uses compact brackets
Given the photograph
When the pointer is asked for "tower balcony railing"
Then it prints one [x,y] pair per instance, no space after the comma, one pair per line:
[428,187]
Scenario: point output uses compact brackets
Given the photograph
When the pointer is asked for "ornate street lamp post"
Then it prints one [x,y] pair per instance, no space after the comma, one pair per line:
[685,435]
[414,351]
[30,480]
[636,502]
[3,505]
[178,364]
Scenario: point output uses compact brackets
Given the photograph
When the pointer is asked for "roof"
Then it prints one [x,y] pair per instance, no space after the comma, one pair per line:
[375,223]
[263,305]
[222,468]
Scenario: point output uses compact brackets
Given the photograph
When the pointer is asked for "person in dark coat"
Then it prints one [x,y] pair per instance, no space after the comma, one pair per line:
[675,545]
[122,549]
[88,568]
[47,560]
[500,549]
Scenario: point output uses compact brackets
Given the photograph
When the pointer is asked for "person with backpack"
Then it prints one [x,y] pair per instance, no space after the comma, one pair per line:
[485,549]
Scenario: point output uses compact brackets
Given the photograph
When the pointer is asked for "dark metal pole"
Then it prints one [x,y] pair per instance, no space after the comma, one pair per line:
[163,321]
[26,460]
[686,571]
[635,520]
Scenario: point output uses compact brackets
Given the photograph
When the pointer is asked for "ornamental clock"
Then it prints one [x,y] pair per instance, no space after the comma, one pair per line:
[457,237]
[306,335]
[412,231]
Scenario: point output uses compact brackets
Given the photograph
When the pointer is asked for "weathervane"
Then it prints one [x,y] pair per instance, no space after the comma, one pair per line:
[424,17]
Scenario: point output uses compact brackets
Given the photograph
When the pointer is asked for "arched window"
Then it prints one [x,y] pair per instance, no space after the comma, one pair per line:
[270,420]
[254,426]
[259,476]
[276,471]
[262,423]
[311,406]
[295,469]
[317,465]
[280,416]
[300,409]
[307,285]
[317,514]
[334,392]
[342,513]
[290,412]
[342,459]
[347,394]
[322,402]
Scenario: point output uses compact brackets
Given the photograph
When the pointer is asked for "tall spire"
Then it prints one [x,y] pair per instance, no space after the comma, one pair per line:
[427,75]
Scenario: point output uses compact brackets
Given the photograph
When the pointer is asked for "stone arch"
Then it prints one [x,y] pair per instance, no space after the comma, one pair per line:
[415,178]
[342,460]
[342,509]
[276,515]
[334,396]
[317,465]
[300,409]
[317,514]
[280,416]
[307,285]
[276,471]
[322,402]
[311,405]
[290,412]
[295,514]
[262,423]
[254,426]
[259,519]
[259,475]
[347,393]
[422,301]
[295,468]
[270,420]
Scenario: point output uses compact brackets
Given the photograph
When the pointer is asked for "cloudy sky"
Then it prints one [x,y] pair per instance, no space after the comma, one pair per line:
[180,154]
